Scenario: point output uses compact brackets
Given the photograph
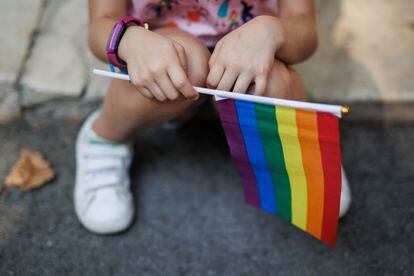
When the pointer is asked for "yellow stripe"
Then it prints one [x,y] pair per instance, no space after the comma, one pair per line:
[286,120]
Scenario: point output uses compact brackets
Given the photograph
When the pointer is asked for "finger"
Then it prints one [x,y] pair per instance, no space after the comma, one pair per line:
[243,82]
[260,85]
[181,55]
[215,75]
[228,80]
[145,92]
[156,91]
[135,80]
[168,89]
[215,53]
[181,82]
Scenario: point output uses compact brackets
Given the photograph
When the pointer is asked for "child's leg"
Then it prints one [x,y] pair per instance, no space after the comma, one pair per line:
[285,82]
[125,110]
[103,200]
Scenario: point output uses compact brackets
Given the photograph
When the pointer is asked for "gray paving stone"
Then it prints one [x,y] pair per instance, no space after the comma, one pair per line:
[53,73]
[9,104]
[365,56]
[18,20]
[365,52]
[379,36]
[97,86]
[57,66]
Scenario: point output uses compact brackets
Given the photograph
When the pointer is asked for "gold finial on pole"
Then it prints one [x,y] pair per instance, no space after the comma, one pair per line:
[345,110]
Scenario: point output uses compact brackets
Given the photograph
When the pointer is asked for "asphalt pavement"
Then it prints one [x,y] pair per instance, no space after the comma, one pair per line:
[191,218]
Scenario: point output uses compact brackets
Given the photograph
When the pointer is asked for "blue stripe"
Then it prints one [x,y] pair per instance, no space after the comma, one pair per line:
[255,151]
[124,71]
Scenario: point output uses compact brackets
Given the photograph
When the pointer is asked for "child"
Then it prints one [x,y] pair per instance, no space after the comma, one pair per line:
[252,43]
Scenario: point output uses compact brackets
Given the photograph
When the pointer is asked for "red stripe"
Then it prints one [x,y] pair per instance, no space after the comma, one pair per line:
[331,161]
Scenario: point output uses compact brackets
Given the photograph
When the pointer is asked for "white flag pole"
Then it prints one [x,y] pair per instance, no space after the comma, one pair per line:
[336,110]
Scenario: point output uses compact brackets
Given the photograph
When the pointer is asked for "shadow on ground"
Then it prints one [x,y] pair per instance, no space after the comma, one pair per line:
[191,219]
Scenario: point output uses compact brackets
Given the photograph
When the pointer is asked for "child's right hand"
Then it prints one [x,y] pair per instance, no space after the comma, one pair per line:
[156,65]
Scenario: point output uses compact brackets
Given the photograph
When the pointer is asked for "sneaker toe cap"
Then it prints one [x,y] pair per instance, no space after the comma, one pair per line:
[105,216]
[346,197]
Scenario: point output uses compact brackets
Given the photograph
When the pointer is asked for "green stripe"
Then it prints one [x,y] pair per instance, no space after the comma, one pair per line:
[268,128]
[105,143]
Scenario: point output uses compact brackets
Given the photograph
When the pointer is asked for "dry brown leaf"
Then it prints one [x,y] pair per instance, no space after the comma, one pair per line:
[30,171]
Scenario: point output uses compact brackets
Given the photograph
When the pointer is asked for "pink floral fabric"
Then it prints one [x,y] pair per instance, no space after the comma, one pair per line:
[207,19]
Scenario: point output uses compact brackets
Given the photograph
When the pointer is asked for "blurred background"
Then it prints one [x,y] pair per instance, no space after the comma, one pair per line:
[191,216]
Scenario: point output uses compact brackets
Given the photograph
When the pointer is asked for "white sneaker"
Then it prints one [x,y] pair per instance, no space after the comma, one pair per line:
[103,201]
[346,197]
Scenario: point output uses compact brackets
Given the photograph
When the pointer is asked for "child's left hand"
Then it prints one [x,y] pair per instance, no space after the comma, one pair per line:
[246,55]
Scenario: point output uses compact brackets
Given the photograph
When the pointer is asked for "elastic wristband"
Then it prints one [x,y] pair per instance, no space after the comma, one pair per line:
[115,38]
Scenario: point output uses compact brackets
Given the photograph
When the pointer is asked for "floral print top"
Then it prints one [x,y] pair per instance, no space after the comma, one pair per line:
[206,19]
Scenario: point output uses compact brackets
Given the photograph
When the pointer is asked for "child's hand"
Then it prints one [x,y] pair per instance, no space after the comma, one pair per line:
[156,65]
[245,55]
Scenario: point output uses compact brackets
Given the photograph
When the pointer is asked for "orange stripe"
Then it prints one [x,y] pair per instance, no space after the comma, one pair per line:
[307,124]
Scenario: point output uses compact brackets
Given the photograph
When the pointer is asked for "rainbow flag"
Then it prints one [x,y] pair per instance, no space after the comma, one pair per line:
[287,154]
[289,161]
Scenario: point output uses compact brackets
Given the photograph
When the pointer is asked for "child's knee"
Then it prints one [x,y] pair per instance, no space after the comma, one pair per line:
[199,71]
[278,81]
[124,98]
[197,54]
[197,61]
[284,82]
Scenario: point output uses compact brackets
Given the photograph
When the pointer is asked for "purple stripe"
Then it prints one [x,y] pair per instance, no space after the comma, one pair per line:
[115,35]
[230,122]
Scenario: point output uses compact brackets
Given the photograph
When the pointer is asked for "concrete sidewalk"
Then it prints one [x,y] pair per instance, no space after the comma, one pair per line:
[191,218]
[365,57]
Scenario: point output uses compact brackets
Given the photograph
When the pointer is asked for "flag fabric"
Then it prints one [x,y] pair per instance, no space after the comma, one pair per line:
[289,161]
